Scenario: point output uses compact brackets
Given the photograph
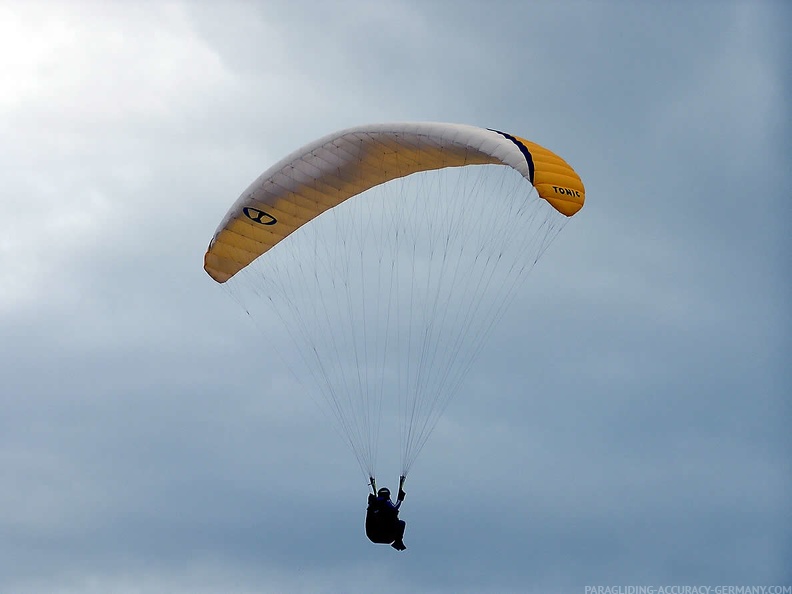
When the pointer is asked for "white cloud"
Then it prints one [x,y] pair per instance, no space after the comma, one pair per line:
[103,63]
[81,82]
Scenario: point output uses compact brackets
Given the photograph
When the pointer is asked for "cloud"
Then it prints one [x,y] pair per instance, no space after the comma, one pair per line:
[625,423]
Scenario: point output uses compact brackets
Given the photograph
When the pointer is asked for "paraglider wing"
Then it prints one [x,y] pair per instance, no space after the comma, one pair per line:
[327,172]
[405,244]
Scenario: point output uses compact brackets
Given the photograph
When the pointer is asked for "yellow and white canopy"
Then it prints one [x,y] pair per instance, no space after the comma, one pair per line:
[332,169]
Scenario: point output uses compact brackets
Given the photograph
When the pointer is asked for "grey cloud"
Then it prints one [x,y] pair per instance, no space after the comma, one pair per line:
[625,424]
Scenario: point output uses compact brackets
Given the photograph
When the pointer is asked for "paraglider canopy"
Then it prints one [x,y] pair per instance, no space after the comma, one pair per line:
[389,252]
[327,172]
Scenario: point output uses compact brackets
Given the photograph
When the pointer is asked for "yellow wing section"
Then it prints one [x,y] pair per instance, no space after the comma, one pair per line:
[555,180]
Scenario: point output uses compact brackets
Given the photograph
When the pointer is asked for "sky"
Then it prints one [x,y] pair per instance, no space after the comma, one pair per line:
[628,421]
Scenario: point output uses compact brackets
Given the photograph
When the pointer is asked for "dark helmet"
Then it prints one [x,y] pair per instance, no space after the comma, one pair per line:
[384,493]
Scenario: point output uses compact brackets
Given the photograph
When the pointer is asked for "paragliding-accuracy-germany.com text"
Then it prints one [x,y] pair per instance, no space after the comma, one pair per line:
[688,590]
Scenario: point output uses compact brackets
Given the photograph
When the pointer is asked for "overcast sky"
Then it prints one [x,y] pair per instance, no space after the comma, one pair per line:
[628,423]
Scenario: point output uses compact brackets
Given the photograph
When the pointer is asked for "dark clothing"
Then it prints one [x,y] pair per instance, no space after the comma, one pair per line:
[383,525]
